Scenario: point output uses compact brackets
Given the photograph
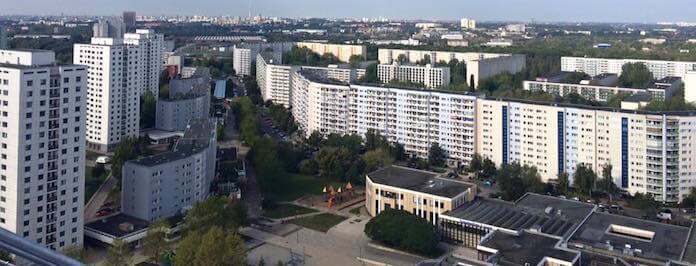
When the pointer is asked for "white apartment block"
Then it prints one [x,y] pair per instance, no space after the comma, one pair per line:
[429,76]
[42,147]
[275,80]
[244,55]
[602,93]
[149,46]
[414,118]
[342,51]
[114,83]
[479,66]
[596,66]
[650,152]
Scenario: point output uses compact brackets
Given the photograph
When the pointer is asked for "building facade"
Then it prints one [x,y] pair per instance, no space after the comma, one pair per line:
[163,185]
[429,76]
[148,46]
[3,37]
[467,23]
[244,55]
[479,66]
[42,155]
[596,66]
[342,51]
[659,91]
[119,71]
[188,99]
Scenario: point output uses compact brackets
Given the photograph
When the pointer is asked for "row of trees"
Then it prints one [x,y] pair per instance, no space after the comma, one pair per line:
[303,56]
[210,237]
[281,117]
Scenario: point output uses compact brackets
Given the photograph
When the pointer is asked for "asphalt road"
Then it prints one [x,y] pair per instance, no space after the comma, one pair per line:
[99,198]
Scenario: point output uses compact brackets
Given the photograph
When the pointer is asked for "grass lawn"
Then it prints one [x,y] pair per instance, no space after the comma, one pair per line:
[300,185]
[320,222]
[92,183]
[286,210]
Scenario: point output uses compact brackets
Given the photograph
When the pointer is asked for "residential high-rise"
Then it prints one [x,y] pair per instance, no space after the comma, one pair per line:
[148,45]
[595,66]
[129,19]
[244,55]
[467,23]
[342,51]
[109,29]
[429,76]
[42,159]
[114,86]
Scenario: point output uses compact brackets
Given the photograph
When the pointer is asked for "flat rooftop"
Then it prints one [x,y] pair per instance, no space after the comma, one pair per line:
[526,248]
[549,215]
[419,181]
[110,225]
[196,138]
[655,241]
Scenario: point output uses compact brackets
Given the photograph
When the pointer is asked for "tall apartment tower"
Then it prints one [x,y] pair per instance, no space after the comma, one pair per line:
[148,45]
[42,147]
[129,19]
[114,85]
[109,29]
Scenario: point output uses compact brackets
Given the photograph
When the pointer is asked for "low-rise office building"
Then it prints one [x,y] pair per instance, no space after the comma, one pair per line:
[419,192]
[429,76]
[164,185]
[479,66]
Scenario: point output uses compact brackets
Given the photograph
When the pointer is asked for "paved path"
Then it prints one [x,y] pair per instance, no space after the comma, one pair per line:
[99,198]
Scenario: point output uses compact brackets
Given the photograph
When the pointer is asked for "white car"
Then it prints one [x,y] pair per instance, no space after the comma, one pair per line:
[103,159]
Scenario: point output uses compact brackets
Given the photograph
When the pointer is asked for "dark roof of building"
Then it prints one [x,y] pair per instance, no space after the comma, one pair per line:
[316,76]
[527,248]
[111,225]
[689,252]
[506,215]
[638,97]
[418,180]
[667,241]
[572,210]
[196,138]
[668,80]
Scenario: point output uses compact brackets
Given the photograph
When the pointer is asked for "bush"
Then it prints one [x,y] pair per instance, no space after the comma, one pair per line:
[405,231]
[98,170]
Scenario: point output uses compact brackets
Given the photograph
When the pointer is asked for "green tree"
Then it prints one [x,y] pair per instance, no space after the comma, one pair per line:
[215,246]
[476,164]
[563,183]
[76,252]
[515,180]
[436,155]
[154,243]
[119,254]
[220,132]
[376,159]
[584,179]
[186,250]
[401,59]
[314,139]
[398,151]
[309,167]
[215,211]
[371,74]
[488,168]
[355,60]
[635,75]
[403,230]
[148,110]
[127,149]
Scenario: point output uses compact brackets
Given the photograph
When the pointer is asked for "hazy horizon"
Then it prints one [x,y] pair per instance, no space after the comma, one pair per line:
[635,11]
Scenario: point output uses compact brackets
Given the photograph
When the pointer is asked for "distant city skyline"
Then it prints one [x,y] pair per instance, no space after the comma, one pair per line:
[648,11]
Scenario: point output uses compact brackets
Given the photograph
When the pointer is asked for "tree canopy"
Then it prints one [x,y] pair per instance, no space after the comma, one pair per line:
[405,231]
[635,75]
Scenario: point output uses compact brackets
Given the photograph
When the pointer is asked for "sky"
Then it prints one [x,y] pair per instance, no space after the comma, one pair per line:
[648,11]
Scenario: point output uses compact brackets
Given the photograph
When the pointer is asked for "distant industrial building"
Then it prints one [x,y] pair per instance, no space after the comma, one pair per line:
[479,66]
[429,76]
[164,185]
[113,28]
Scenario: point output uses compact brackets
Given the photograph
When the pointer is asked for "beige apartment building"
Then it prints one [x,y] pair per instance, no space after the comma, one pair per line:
[342,51]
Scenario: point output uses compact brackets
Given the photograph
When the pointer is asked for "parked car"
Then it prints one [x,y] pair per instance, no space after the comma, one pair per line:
[665,215]
[103,160]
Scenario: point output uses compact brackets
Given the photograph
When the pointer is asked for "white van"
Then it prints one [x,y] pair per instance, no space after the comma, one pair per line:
[103,159]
